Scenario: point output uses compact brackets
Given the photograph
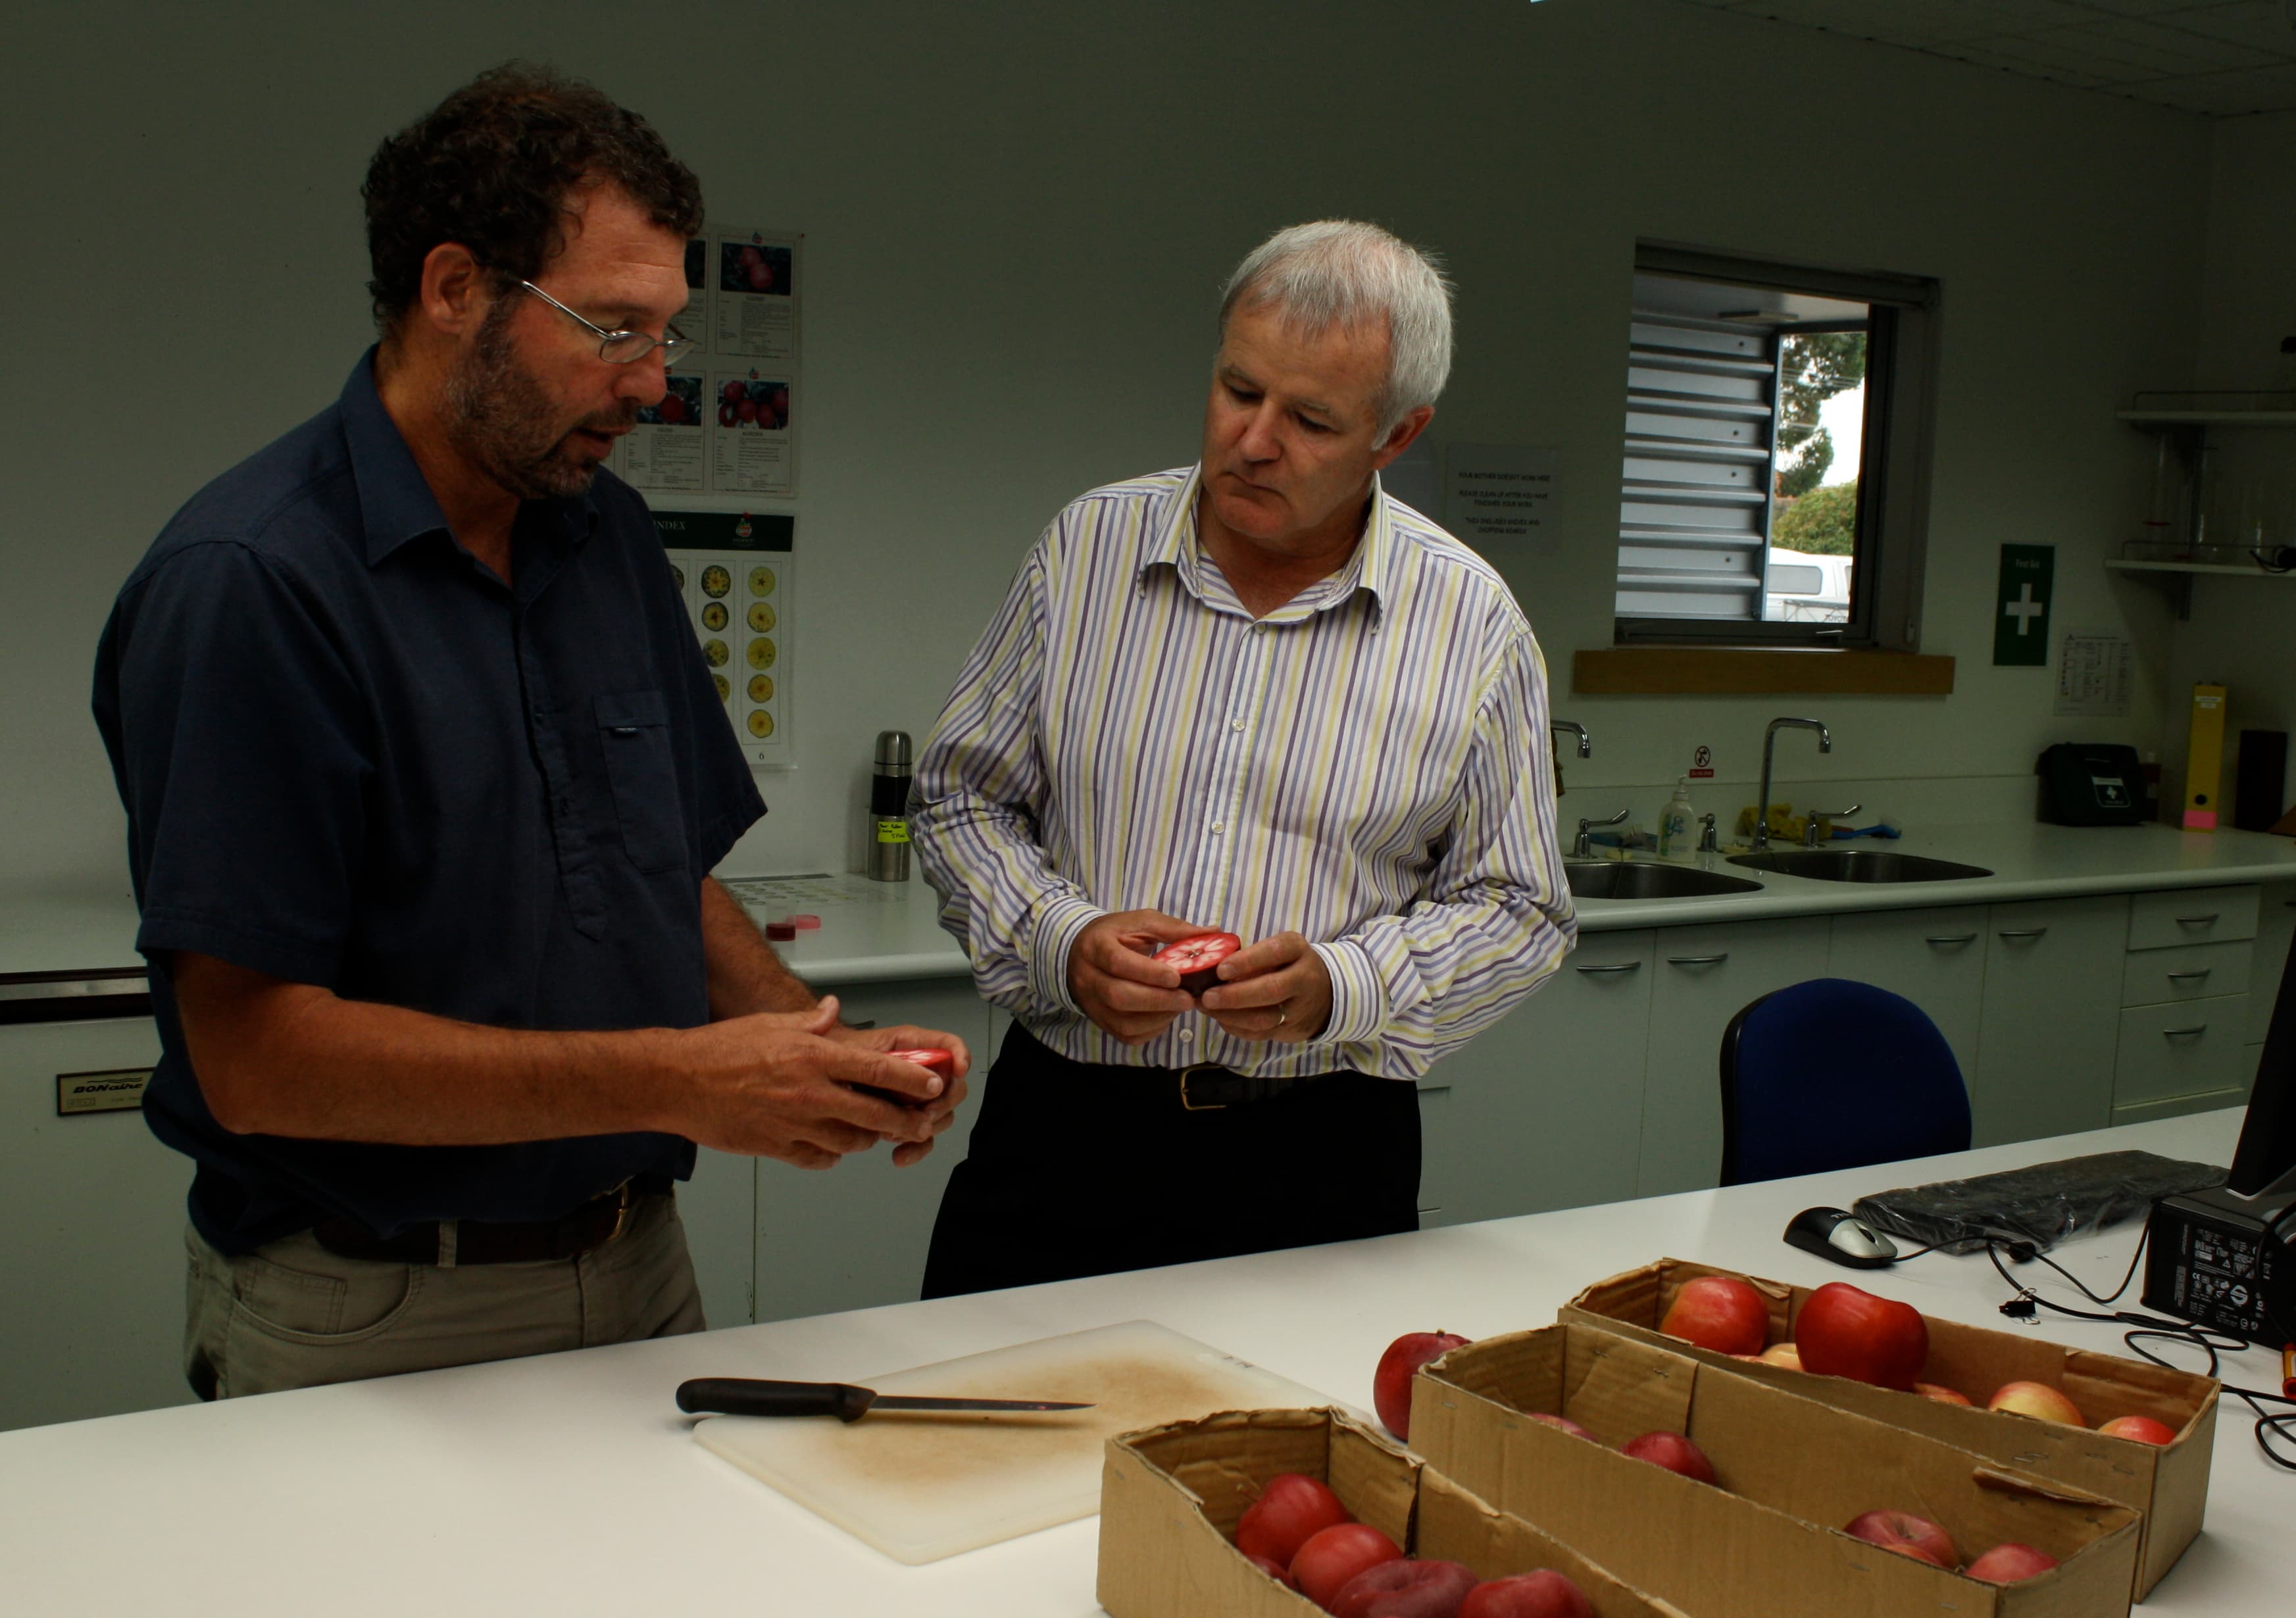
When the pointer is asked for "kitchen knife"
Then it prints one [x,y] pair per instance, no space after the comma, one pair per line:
[748,1396]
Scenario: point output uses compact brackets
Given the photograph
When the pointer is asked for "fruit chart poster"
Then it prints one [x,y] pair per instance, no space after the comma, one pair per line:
[736,573]
[729,424]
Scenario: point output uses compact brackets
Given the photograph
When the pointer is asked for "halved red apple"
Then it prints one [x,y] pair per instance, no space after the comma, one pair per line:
[1199,959]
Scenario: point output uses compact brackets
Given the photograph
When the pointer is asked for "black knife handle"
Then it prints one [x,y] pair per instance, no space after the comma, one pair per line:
[747,1396]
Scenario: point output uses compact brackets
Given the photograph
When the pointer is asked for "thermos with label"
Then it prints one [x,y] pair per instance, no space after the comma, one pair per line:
[889,809]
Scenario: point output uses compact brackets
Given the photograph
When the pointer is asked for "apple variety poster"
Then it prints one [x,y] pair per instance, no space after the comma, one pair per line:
[727,425]
[735,572]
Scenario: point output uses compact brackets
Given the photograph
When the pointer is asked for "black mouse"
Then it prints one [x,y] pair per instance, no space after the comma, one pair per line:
[1836,1234]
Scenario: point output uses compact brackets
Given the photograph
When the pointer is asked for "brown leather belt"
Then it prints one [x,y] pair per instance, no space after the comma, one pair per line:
[1207,1087]
[458,1241]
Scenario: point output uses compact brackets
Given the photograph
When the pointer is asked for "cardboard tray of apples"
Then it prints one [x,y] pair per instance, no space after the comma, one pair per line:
[1294,1514]
[2125,1430]
[1735,1499]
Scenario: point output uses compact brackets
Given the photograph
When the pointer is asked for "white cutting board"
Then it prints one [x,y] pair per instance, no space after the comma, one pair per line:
[920,1486]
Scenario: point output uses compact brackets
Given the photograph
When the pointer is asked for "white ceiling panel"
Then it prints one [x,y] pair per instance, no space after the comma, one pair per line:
[2156,45]
[2048,53]
[2244,90]
[2261,23]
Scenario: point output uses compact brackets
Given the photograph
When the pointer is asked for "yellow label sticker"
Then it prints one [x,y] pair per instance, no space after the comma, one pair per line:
[892,829]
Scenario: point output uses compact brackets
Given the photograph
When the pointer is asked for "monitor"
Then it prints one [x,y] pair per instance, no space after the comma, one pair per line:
[2265,1164]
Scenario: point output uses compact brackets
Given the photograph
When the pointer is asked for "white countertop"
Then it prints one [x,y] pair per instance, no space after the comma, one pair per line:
[567,1484]
[873,931]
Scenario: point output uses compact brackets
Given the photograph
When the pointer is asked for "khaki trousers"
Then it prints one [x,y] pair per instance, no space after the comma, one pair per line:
[294,1315]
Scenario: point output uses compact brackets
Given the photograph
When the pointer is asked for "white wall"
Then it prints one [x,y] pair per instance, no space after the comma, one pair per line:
[1018,215]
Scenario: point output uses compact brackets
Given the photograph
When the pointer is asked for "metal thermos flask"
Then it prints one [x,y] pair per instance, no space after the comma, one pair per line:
[889,809]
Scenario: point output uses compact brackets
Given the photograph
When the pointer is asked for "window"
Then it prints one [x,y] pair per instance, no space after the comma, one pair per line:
[1775,489]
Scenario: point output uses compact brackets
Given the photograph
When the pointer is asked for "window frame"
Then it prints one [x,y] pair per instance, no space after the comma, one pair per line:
[1895,454]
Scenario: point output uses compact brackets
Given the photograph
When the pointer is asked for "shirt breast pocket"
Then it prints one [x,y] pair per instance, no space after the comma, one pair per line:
[634,731]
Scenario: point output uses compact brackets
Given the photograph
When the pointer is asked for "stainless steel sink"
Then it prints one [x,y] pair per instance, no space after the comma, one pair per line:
[1856,865]
[1633,879]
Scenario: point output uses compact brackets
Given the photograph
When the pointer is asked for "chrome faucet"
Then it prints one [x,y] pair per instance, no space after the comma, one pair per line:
[1584,848]
[1761,838]
[1585,751]
[1815,830]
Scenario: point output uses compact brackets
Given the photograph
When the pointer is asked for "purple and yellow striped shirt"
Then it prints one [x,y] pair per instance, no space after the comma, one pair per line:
[1367,764]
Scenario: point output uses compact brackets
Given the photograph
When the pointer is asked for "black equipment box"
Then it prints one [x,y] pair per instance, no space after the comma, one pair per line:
[2091,784]
[2207,1259]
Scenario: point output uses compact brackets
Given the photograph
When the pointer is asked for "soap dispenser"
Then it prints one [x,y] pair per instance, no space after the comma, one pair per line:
[1677,824]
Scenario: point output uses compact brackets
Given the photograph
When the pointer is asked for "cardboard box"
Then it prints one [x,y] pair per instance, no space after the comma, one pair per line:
[1171,1497]
[1768,1540]
[2169,1484]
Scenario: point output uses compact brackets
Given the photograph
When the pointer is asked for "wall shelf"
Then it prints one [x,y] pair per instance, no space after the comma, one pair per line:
[2175,578]
[2209,418]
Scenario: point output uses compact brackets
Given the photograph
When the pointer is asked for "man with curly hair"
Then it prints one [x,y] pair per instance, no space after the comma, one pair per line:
[424,779]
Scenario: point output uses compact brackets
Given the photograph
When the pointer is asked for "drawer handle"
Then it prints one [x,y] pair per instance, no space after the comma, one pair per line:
[1952,938]
[2183,1033]
[2177,977]
[2027,933]
[1697,960]
[1621,966]
[2196,921]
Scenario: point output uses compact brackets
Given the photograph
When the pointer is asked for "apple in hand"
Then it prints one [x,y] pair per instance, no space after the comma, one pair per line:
[1672,1451]
[1334,1555]
[1199,959]
[2007,1562]
[1544,1594]
[2144,1429]
[1390,1384]
[2039,1400]
[1907,1535]
[1289,1511]
[1563,1422]
[1405,1589]
[1845,1331]
[1719,1312]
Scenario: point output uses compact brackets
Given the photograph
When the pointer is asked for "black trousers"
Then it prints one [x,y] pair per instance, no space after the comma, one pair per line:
[1081,1170]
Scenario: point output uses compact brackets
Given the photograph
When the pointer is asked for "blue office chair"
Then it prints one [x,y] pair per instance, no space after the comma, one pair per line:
[1833,1074]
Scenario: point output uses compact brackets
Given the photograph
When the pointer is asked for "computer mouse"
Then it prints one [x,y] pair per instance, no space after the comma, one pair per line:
[1836,1234]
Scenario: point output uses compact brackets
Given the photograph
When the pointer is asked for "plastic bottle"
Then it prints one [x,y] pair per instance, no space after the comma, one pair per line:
[1677,824]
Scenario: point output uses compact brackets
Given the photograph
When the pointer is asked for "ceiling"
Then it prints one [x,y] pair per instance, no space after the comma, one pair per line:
[2222,57]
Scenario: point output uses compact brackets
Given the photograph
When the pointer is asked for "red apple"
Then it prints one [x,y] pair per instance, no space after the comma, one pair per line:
[2144,1429]
[2007,1562]
[941,1061]
[1672,1451]
[1405,1589]
[1719,1312]
[1544,1594]
[1199,959]
[672,409]
[1563,1422]
[2038,1400]
[733,392]
[1843,1331]
[1782,1353]
[1291,1510]
[1943,1395]
[1907,1535]
[1390,1384]
[1273,1568]
[725,415]
[1334,1555]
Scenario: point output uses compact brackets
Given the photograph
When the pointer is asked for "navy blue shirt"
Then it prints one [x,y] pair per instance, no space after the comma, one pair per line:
[352,757]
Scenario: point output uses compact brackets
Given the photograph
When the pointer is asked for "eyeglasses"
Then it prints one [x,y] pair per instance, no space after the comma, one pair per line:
[621,347]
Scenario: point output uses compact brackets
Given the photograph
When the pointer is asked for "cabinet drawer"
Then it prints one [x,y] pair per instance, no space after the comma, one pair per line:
[2196,972]
[2183,1049]
[2191,915]
[2177,1107]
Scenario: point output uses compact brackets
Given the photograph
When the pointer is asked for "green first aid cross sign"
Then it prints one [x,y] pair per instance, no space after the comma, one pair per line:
[2020,612]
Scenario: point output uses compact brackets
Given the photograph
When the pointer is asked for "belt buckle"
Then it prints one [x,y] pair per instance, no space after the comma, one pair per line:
[621,1213]
[1193,1107]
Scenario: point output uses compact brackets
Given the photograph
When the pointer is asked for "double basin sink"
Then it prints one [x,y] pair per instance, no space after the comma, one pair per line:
[1631,879]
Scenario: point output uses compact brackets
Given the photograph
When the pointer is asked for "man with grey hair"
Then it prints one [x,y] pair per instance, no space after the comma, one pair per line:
[1257,696]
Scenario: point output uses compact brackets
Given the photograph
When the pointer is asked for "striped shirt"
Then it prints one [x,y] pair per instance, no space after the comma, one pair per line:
[1368,765]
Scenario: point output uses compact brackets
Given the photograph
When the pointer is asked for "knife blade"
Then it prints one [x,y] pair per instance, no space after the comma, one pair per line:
[752,1396]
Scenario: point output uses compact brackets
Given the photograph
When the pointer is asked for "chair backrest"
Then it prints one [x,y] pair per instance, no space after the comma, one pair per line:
[1835,1074]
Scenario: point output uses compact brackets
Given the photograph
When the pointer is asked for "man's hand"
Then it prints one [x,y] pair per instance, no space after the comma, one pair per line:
[942,1109]
[1277,989]
[1114,976]
[778,1084]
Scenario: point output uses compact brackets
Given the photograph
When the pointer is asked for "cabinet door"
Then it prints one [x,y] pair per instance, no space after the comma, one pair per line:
[854,1235]
[2050,1024]
[1935,958]
[1704,976]
[1544,1110]
[94,1208]
[2276,924]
